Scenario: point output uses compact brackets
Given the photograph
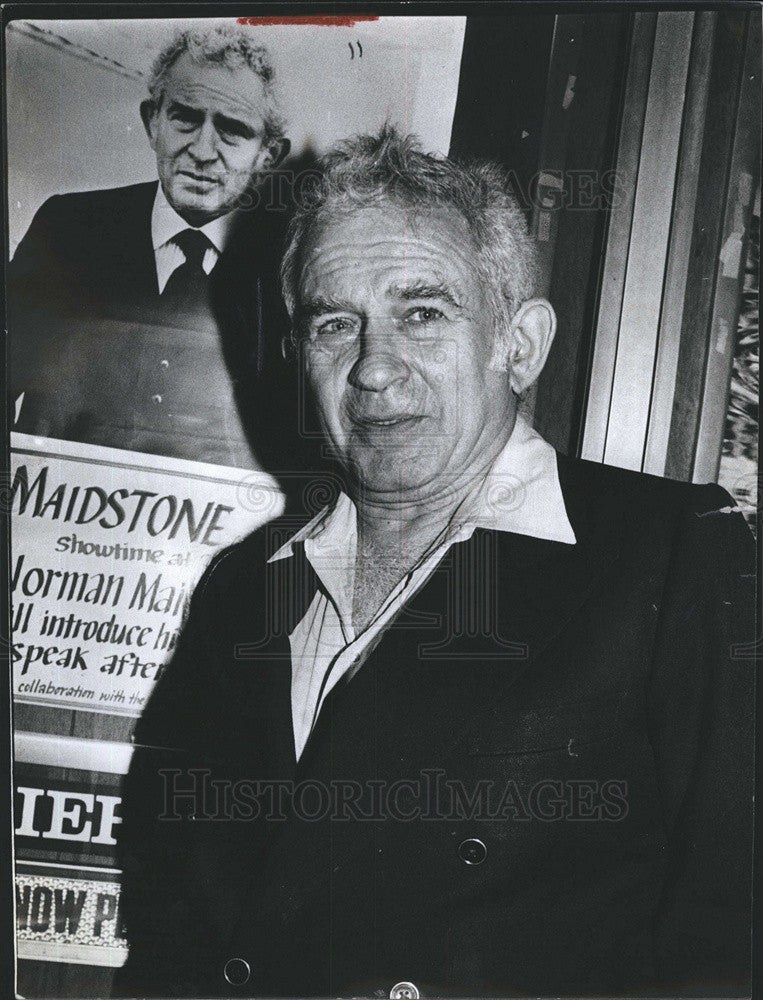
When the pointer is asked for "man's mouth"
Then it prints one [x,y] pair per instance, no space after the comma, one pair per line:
[199,178]
[386,421]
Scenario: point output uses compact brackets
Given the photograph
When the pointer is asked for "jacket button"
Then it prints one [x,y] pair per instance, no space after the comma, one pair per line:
[404,991]
[472,851]
[237,971]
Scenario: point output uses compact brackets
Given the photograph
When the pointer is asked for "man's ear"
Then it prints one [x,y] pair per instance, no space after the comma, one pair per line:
[275,151]
[148,117]
[531,334]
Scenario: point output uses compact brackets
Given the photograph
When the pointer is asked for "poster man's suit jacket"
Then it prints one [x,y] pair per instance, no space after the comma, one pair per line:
[600,694]
[101,359]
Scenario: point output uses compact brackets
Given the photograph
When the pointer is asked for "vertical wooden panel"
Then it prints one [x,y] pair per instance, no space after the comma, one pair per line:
[590,189]
[677,268]
[560,93]
[728,56]
[548,188]
[618,239]
[642,297]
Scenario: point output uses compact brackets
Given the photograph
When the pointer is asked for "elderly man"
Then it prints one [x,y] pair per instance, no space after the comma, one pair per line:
[478,727]
[128,308]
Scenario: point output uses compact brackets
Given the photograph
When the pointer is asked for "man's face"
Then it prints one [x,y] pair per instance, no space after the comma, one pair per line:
[208,137]
[399,345]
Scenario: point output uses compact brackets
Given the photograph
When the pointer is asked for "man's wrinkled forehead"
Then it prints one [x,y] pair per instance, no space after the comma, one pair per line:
[391,217]
[202,85]
[428,246]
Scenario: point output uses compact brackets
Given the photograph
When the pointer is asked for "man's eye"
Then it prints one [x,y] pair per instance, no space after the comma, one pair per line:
[338,325]
[232,138]
[184,120]
[233,133]
[423,314]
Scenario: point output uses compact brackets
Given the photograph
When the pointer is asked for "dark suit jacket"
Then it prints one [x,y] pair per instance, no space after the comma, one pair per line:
[602,695]
[101,360]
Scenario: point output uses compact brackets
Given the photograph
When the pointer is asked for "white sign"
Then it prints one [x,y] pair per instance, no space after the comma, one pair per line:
[106,548]
[69,914]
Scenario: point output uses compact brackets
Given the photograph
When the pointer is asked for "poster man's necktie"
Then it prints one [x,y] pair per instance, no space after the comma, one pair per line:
[186,293]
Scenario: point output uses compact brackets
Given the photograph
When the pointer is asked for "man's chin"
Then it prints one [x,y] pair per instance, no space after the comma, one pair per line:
[197,209]
[390,475]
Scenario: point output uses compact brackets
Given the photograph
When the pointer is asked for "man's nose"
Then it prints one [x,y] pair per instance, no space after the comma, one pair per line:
[204,145]
[382,363]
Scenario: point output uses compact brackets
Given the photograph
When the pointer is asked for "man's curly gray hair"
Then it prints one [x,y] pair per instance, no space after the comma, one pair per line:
[231,46]
[369,169]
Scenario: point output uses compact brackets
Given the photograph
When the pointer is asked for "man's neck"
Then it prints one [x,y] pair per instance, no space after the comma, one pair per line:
[395,530]
[392,540]
[418,518]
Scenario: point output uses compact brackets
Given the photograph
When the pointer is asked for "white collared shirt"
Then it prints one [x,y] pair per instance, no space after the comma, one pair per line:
[166,224]
[520,494]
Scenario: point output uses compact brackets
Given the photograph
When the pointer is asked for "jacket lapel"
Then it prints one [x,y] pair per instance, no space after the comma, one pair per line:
[259,672]
[134,276]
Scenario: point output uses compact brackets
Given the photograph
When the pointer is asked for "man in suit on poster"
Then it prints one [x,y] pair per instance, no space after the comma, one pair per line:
[484,725]
[137,314]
